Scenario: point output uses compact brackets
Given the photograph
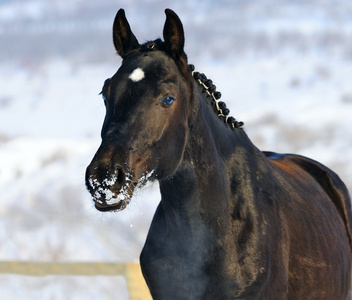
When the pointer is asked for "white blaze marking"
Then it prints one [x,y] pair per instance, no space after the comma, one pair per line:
[137,75]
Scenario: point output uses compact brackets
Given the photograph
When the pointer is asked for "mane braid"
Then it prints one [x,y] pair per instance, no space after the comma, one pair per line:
[219,107]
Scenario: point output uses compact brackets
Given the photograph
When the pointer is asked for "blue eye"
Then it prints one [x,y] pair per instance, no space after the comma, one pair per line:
[103,96]
[167,102]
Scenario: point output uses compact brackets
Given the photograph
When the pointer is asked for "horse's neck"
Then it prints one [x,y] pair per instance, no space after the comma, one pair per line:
[201,188]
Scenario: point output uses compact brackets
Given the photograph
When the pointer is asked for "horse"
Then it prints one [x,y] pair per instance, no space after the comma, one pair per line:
[233,222]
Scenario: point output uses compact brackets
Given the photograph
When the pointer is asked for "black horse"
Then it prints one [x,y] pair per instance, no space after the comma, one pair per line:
[233,222]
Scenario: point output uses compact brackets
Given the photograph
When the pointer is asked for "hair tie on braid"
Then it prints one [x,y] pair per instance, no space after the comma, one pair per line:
[208,82]
[196,75]
[223,108]
[212,88]
[217,95]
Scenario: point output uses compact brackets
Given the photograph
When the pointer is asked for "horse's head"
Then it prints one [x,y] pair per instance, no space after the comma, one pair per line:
[147,107]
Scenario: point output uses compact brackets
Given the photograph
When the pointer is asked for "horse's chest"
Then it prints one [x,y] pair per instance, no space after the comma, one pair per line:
[171,269]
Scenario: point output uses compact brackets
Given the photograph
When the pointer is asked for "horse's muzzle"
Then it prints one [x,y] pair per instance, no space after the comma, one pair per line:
[111,189]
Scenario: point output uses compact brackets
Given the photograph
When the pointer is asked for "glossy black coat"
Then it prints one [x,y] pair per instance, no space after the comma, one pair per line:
[233,222]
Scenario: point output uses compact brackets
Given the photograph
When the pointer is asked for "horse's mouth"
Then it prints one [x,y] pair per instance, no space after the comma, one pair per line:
[104,207]
[110,200]
[114,193]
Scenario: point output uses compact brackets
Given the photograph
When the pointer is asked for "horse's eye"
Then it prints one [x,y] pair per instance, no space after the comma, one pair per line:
[105,89]
[103,96]
[167,102]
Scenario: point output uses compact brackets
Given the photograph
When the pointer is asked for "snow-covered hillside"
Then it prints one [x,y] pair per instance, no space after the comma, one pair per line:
[284,69]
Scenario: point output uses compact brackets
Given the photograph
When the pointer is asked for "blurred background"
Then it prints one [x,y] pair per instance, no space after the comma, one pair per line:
[283,67]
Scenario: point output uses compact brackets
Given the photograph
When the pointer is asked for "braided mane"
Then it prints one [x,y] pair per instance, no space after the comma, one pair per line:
[219,107]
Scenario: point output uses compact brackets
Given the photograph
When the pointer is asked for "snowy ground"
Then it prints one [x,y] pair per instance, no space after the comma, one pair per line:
[285,70]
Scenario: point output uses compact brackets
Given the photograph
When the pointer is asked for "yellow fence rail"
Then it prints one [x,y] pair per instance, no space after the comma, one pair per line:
[137,288]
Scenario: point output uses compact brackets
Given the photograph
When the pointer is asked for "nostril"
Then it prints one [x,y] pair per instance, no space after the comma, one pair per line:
[120,176]
[88,178]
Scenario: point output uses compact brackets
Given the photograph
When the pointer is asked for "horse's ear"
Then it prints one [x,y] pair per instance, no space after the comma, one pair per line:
[124,39]
[173,33]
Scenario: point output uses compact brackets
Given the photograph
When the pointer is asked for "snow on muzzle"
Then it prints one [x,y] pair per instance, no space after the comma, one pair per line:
[113,192]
